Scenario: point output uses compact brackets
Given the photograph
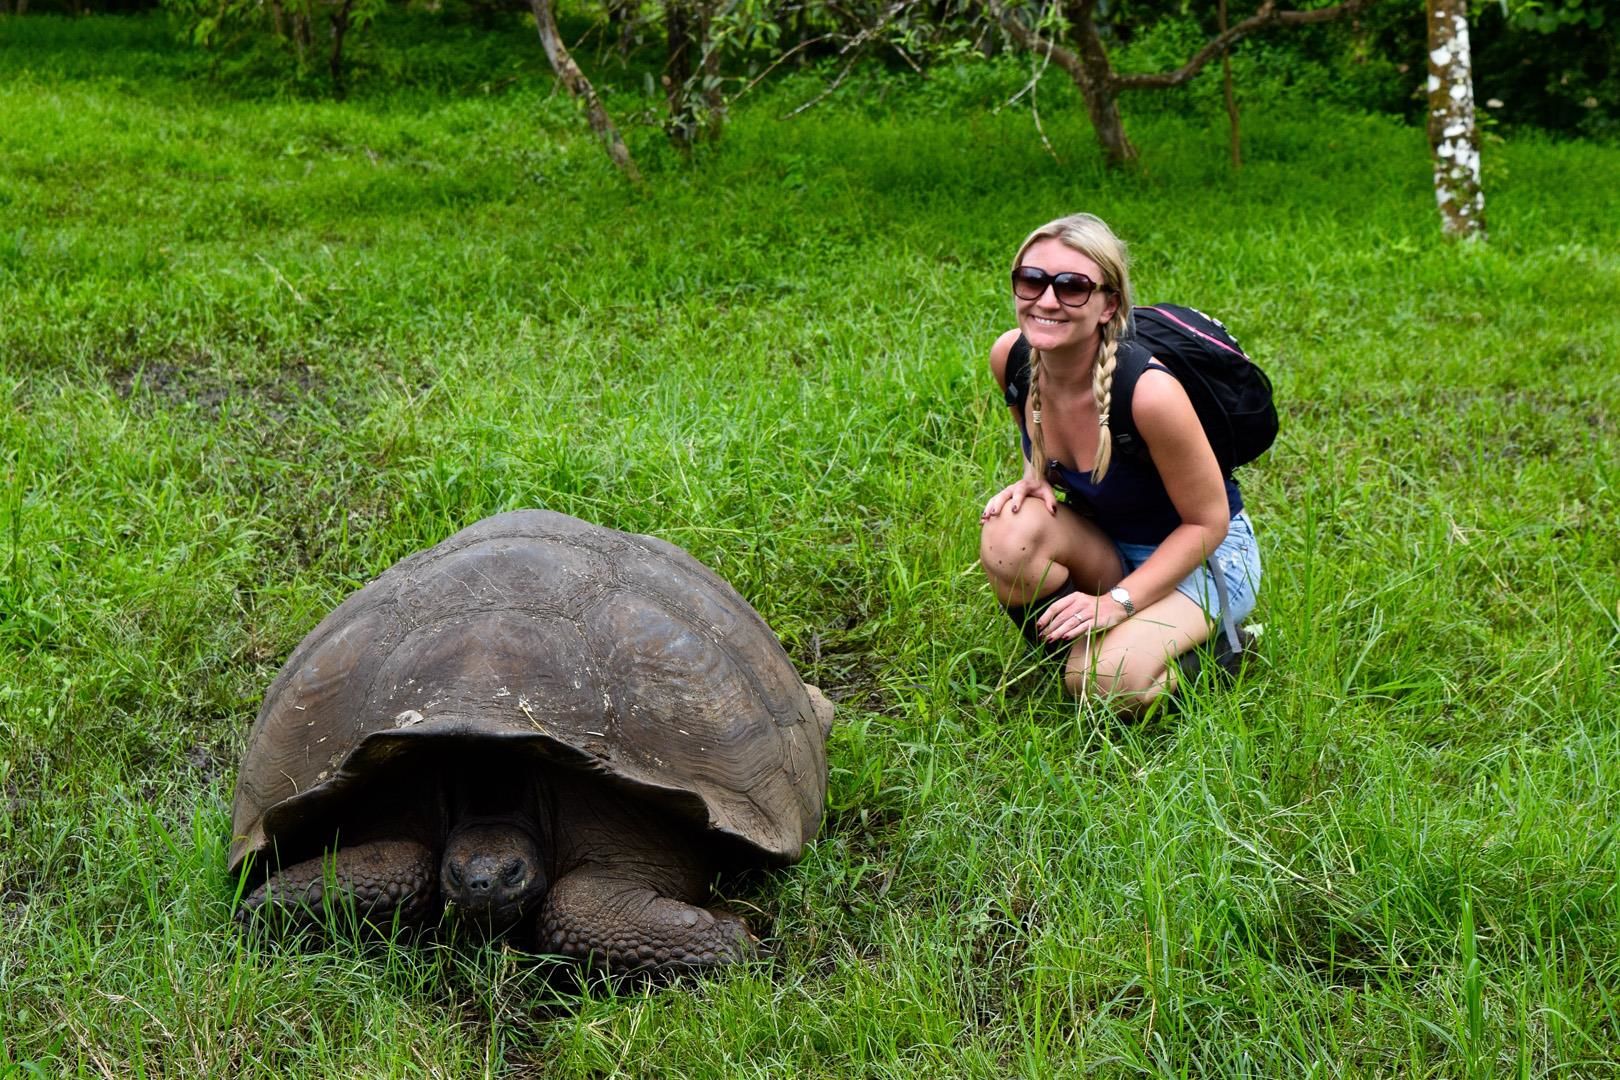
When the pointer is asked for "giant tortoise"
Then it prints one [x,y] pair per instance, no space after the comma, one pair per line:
[548,727]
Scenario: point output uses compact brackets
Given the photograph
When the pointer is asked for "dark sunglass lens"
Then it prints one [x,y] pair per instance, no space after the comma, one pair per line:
[1028,282]
[1073,289]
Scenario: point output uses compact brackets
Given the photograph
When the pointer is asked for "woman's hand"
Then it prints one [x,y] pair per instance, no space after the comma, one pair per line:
[1013,495]
[1079,613]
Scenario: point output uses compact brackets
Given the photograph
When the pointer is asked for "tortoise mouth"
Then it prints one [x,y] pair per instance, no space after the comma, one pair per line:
[489,921]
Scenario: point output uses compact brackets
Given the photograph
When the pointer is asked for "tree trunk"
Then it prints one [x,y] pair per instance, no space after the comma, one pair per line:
[340,27]
[1452,132]
[545,22]
[681,43]
[303,39]
[1231,96]
[714,99]
[1095,79]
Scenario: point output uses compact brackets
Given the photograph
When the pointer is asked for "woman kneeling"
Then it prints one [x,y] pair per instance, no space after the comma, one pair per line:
[1127,571]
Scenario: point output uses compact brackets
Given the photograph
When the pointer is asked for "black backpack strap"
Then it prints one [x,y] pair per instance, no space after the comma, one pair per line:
[1129,363]
[1017,373]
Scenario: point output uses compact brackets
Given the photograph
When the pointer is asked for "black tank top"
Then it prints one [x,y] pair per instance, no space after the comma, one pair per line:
[1130,504]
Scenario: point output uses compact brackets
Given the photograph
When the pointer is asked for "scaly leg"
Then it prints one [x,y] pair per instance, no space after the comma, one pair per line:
[379,879]
[606,915]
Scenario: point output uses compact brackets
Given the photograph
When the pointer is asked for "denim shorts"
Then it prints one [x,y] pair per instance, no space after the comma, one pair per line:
[1238,558]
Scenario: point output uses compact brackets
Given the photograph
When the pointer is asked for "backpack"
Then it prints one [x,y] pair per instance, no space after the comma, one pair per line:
[1230,393]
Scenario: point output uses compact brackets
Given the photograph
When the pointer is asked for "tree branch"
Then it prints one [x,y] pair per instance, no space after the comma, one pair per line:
[1268,16]
[1029,39]
[853,45]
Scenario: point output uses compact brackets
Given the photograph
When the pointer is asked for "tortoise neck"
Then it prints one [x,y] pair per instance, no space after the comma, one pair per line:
[497,789]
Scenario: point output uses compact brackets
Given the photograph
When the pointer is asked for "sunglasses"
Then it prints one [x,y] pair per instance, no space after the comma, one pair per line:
[1071,290]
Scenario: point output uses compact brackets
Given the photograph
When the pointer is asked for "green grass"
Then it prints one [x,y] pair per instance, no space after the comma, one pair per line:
[255,348]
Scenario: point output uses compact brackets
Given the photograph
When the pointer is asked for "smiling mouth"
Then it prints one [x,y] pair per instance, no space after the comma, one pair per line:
[1047,322]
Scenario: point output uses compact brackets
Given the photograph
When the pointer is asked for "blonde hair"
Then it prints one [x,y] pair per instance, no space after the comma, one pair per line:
[1091,237]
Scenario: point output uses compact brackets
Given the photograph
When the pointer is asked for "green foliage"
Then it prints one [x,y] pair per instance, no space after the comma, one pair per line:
[1556,66]
[257,348]
[1548,18]
[312,34]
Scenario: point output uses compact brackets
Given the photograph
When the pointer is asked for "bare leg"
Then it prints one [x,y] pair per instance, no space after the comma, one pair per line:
[1131,665]
[1032,553]
[379,879]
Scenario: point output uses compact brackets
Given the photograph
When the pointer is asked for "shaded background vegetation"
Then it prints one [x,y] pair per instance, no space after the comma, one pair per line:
[1550,64]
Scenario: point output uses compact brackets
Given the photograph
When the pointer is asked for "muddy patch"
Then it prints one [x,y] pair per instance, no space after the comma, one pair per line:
[195,382]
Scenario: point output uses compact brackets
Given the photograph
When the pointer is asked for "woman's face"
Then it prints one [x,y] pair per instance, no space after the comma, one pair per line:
[1050,325]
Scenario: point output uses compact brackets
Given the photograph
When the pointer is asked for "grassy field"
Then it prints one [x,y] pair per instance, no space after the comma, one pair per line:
[256,347]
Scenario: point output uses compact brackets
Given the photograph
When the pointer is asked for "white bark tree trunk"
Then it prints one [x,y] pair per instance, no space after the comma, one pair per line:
[1453,135]
[545,21]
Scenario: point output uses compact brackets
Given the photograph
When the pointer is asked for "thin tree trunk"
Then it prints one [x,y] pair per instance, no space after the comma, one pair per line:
[278,19]
[1452,132]
[1231,97]
[714,99]
[578,85]
[303,40]
[340,27]
[680,47]
[1097,86]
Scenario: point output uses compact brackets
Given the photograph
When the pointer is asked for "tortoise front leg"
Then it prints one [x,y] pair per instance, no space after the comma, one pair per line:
[602,915]
[379,880]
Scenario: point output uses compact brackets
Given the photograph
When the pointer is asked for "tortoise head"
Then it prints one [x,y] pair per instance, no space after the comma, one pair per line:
[492,872]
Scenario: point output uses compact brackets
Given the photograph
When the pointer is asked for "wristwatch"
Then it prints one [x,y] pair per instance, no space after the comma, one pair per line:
[1123,599]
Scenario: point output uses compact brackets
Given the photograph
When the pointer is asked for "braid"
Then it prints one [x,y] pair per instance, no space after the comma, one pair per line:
[1037,437]
[1102,391]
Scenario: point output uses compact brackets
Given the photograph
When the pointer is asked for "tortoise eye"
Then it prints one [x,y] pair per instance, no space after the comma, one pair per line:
[513,872]
[455,875]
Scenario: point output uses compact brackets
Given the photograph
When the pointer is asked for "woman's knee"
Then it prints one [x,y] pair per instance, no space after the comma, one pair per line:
[1017,548]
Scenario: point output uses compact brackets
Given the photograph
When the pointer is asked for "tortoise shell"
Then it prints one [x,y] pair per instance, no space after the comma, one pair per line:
[613,654]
